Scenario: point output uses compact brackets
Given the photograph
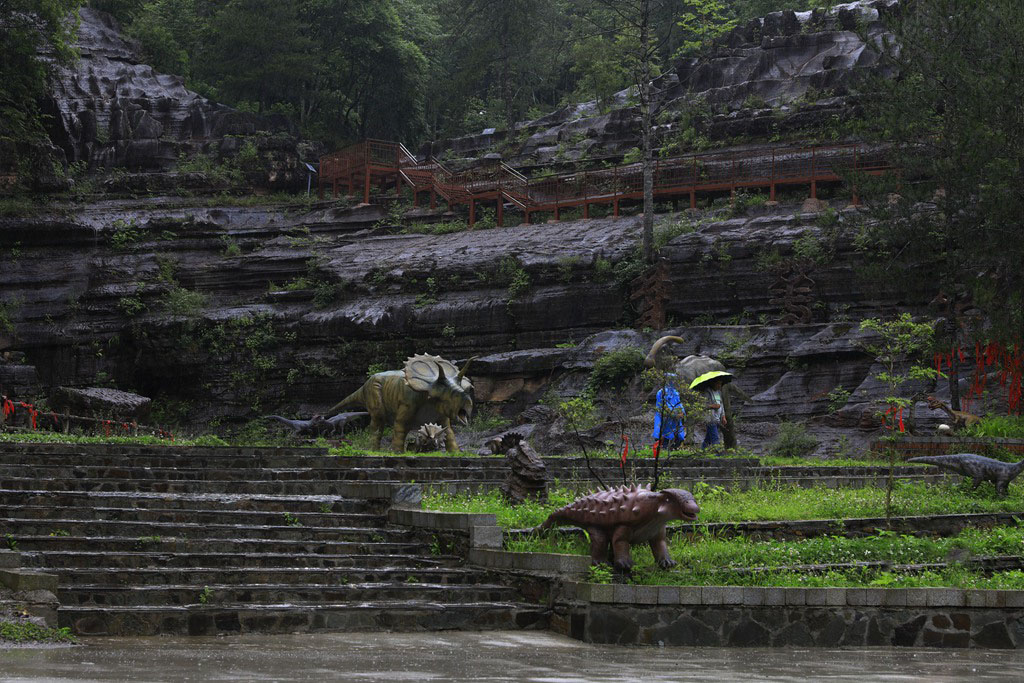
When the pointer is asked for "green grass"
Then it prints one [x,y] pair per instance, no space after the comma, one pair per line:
[767,502]
[706,560]
[27,632]
[1001,426]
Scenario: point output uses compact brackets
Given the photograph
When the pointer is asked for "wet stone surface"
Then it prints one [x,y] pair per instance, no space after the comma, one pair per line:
[496,656]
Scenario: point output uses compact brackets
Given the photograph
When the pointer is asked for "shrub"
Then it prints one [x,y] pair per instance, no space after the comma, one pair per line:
[792,441]
[180,301]
[616,368]
[837,398]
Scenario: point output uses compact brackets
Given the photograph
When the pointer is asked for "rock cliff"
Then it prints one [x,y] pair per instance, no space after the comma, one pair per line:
[108,109]
[230,312]
[779,76]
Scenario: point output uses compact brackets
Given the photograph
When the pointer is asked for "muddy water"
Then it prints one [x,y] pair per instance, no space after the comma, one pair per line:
[492,656]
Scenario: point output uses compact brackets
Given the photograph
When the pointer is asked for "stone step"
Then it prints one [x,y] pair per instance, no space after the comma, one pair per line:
[400,467]
[117,545]
[106,596]
[139,473]
[238,518]
[201,576]
[302,618]
[63,528]
[329,488]
[59,559]
[294,504]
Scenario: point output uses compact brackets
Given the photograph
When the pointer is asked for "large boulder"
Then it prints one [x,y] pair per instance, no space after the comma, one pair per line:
[100,402]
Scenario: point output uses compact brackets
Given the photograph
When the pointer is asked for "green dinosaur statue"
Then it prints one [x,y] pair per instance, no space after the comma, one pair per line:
[429,389]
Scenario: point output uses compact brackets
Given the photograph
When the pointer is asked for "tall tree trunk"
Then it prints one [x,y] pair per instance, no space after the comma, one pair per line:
[644,89]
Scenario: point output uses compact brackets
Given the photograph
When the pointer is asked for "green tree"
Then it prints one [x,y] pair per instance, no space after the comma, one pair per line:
[26,28]
[701,22]
[259,53]
[366,76]
[900,345]
[951,219]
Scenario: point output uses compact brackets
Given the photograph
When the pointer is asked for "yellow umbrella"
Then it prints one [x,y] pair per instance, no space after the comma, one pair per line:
[708,376]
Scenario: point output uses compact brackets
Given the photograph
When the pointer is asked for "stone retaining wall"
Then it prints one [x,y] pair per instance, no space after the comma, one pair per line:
[792,625]
[939,445]
[741,616]
[27,592]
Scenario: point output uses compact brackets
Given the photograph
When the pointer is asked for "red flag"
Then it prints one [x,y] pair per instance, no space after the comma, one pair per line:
[625,449]
[656,448]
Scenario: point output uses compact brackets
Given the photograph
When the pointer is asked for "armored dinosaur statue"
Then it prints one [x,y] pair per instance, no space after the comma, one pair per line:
[427,439]
[691,367]
[318,425]
[428,390]
[977,468]
[619,518]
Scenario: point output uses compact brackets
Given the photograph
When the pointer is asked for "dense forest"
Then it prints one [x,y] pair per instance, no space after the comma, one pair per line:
[397,69]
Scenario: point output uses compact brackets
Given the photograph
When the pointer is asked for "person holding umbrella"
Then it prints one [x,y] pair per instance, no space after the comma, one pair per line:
[711,383]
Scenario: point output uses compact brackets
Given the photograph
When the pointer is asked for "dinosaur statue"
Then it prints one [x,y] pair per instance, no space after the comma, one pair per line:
[688,369]
[428,390]
[318,425]
[427,439]
[977,468]
[619,518]
[527,476]
[960,419]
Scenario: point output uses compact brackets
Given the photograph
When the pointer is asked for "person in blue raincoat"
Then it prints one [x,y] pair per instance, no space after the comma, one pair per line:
[668,418]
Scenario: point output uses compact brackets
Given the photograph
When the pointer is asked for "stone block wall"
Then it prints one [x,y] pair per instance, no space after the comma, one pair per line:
[938,445]
[744,616]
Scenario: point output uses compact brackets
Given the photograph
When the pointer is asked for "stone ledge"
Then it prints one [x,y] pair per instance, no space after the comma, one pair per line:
[9,559]
[449,521]
[24,580]
[546,563]
[760,596]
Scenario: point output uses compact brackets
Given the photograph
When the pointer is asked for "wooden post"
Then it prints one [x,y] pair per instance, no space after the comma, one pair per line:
[814,182]
[472,211]
[501,211]
[586,209]
[615,207]
[366,186]
[771,192]
[433,198]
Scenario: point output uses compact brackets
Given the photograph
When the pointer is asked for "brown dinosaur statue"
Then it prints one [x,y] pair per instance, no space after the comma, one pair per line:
[960,418]
[619,518]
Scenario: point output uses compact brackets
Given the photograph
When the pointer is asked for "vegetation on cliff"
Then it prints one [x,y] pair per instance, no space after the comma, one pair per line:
[416,69]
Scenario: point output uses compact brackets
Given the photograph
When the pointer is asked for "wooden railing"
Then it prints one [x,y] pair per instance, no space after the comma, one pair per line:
[360,165]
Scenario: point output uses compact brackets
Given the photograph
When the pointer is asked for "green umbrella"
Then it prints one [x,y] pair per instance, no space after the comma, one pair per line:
[707,376]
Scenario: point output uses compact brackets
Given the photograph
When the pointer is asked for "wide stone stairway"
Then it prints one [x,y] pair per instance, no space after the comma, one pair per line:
[156,540]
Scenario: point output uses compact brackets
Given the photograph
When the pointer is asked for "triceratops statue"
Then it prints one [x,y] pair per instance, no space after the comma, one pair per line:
[429,389]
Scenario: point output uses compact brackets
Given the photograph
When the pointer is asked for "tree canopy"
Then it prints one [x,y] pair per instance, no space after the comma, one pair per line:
[27,28]
[412,69]
[952,218]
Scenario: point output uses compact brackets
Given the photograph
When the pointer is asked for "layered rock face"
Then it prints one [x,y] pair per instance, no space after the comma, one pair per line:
[777,75]
[109,109]
[236,312]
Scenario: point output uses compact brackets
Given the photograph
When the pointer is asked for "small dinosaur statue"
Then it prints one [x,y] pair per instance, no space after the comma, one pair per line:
[978,468]
[619,518]
[318,425]
[427,439]
[960,418]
